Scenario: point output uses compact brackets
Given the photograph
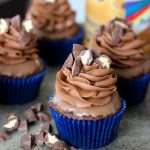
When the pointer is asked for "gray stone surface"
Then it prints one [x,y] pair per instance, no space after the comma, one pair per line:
[134,131]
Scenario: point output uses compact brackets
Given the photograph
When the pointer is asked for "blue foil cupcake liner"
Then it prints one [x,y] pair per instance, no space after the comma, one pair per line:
[133,91]
[56,52]
[86,134]
[20,90]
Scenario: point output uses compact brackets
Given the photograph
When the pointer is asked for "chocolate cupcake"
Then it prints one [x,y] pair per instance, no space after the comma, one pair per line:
[21,69]
[54,23]
[125,48]
[86,107]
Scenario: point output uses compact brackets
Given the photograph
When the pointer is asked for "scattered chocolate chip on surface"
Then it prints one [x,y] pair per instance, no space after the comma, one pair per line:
[30,116]
[11,123]
[39,139]
[43,116]
[60,145]
[3,136]
[26,141]
[46,127]
[37,107]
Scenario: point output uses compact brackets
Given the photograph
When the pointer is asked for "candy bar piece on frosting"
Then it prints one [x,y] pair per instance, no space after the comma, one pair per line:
[4,26]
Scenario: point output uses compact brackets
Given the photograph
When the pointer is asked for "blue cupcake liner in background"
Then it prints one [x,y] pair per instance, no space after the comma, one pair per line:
[20,90]
[55,52]
[84,134]
[133,91]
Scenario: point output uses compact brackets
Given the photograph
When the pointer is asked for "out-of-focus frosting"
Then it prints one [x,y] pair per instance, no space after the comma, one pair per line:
[123,46]
[53,19]
[18,53]
[85,85]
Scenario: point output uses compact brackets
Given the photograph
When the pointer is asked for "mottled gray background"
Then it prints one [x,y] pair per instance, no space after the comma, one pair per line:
[134,131]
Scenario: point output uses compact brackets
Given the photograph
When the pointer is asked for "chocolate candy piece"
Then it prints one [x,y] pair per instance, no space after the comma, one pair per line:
[77,49]
[60,145]
[50,139]
[30,116]
[46,127]
[104,61]
[69,62]
[37,107]
[24,38]
[42,116]
[39,139]
[16,22]
[12,123]
[23,126]
[86,57]
[3,136]
[26,141]
[76,66]
[100,30]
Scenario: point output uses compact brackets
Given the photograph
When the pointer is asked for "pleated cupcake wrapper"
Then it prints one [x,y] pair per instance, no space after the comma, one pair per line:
[133,91]
[56,52]
[19,91]
[88,134]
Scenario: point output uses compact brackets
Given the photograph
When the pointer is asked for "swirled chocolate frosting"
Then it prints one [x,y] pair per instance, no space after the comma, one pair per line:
[18,53]
[124,47]
[86,84]
[53,19]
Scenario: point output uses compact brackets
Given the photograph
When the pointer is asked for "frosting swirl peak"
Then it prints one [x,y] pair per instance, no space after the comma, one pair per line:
[84,80]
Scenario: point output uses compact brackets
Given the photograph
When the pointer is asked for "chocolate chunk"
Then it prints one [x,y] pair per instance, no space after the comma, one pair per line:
[77,49]
[3,136]
[99,31]
[39,139]
[11,123]
[60,145]
[37,107]
[50,139]
[76,66]
[42,116]
[16,22]
[116,36]
[86,57]
[26,141]
[30,116]
[23,126]
[69,62]
[24,38]
[46,127]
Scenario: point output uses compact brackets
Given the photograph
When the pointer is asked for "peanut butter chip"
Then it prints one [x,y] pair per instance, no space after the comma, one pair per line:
[105,61]
[27,24]
[4,26]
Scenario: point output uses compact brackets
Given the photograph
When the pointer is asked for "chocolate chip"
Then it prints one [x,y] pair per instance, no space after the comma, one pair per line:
[46,127]
[69,62]
[30,116]
[16,22]
[60,145]
[76,66]
[23,126]
[11,123]
[99,31]
[26,141]
[42,116]
[86,57]
[3,136]
[77,49]
[39,139]
[115,36]
[37,107]
[50,139]
[24,38]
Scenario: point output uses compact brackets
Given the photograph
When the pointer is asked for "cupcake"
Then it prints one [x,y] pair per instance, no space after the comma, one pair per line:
[54,24]
[21,69]
[86,107]
[126,50]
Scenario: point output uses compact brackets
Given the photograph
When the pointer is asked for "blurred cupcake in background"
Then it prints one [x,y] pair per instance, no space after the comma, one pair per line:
[86,107]
[126,49]
[21,69]
[54,24]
